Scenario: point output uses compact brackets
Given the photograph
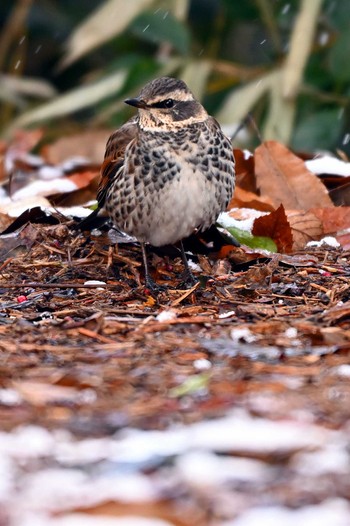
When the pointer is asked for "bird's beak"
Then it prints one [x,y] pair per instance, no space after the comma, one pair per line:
[138,103]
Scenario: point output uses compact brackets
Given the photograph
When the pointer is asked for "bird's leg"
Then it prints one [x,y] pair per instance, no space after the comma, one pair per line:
[150,284]
[188,276]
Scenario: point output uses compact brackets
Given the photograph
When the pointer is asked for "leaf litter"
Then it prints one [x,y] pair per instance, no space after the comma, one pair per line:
[225,404]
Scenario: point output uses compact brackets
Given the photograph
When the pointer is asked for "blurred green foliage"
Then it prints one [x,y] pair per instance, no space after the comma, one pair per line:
[226,50]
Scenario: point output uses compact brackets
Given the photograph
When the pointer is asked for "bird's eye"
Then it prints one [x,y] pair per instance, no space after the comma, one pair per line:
[167,103]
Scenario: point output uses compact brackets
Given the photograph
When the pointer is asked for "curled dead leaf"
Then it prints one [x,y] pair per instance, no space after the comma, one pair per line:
[284,178]
[276,226]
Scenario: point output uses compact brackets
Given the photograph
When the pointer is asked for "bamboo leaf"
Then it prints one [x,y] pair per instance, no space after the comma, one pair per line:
[73,101]
[104,23]
[240,101]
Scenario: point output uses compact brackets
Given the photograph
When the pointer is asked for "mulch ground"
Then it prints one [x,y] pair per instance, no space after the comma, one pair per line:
[94,358]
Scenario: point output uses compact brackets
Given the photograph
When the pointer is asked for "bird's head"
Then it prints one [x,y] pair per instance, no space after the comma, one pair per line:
[166,104]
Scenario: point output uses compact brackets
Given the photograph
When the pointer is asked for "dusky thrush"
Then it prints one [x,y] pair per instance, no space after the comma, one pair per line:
[167,171]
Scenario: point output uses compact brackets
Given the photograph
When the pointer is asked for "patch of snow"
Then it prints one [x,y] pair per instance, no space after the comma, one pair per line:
[328,165]
[48,173]
[333,512]
[246,223]
[205,470]
[194,266]
[73,162]
[44,188]
[242,334]
[334,458]
[328,240]
[63,489]
[80,519]
[74,211]
[10,397]
[342,370]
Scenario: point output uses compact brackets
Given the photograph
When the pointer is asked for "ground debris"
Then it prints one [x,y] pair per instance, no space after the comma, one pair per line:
[87,357]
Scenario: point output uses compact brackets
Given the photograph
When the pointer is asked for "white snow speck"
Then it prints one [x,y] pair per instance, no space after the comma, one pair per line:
[202,364]
[323,38]
[166,315]
[346,139]
[291,332]
[227,314]
[95,282]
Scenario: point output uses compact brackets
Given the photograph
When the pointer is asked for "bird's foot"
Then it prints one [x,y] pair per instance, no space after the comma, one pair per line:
[153,287]
[188,280]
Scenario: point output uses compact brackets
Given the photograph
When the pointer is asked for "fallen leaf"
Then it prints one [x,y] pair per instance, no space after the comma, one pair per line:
[245,176]
[277,227]
[90,144]
[341,194]
[284,178]
[245,199]
[306,226]
[40,393]
[333,219]
[344,240]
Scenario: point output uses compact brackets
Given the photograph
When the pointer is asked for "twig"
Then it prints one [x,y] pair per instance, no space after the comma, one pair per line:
[36,285]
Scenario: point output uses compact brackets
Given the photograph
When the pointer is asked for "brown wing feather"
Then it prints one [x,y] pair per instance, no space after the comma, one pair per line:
[114,157]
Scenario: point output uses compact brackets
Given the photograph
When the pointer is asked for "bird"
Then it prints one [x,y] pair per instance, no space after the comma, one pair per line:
[168,171]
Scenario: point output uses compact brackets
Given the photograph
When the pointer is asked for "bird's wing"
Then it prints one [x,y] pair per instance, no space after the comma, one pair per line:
[114,157]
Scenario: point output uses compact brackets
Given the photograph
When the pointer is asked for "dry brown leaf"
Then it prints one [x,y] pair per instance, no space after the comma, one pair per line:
[90,144]
[245,175]
[340,194]
[83,179]
[333,219]
[306,226]
[344,240]
[277,227]
[41,393]
[284,178]
[245,199]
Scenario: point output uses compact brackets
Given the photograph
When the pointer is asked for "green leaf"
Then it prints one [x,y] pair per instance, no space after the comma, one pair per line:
[162,26]
[191,385]
[246,238]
